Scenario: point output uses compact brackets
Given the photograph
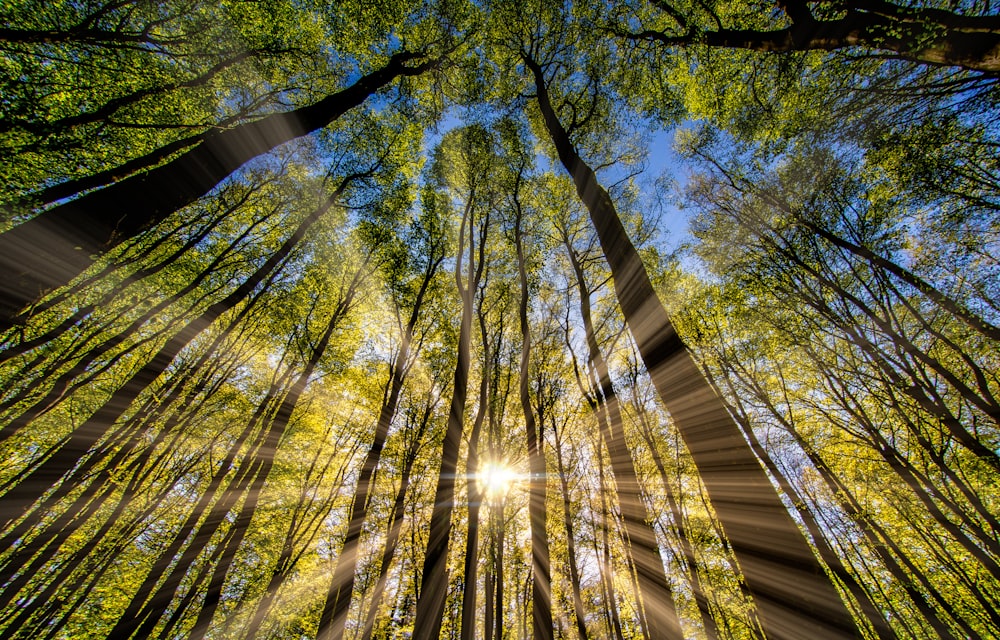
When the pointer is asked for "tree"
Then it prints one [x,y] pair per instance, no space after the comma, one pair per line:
[686,394]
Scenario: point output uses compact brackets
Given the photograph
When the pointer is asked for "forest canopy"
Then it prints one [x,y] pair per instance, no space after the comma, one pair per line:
[502,319]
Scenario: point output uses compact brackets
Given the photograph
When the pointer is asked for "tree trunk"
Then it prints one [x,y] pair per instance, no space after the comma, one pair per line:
[881,627]
[607,568]
[654,596]
[469,588]
[574,571]
[541,581]
[680,530]
[301,530]
[926,35]
[395,524]
[434,583]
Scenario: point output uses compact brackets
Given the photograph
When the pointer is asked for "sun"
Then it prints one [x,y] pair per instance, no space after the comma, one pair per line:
[496,479]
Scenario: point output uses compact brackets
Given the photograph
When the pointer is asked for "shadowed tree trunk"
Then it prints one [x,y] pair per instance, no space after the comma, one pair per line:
[676,514]
[396,519]
[434,582]
[48,538]
[654,593]
[74,377]
[303,528]
[574,571]
[541,580]
[469,586]
[604,556]
[829,556]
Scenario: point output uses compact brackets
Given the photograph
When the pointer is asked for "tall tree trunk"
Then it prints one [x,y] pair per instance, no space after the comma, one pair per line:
[792,593]
[301,530]
[85,311]
[263,464]
[499,531]
[395,522]
[574,572]
[469,588]
[541,581]
[68,381]
[55,246]
[49,538]
[680,530]
[882,629]
[489,580]
[655,598]
[607,567]
[886,548]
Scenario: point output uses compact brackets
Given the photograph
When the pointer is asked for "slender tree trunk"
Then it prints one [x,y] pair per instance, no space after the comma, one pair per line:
[434,583]
[48,539]
[792,593]
[84,312]
[489,580]
[677,516]
[654,596]
[499,531]
[68,381]
[886,548]
[882,629]
[470,585]
[541,582]
[301,531]
[395,524]
[574,571]
[607,568]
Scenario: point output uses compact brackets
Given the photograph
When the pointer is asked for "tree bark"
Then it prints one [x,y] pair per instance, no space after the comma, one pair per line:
[574,571]
[434,582]
[541,572]
[469,587]
[395,523]
[654,595]
[338,597]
